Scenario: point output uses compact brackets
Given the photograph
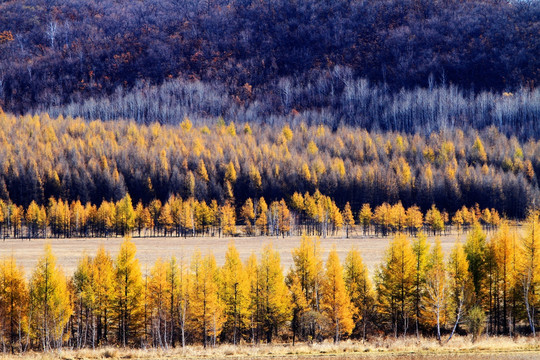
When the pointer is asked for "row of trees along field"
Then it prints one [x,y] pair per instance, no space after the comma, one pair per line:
[71,159]
[485,284]
[308,214]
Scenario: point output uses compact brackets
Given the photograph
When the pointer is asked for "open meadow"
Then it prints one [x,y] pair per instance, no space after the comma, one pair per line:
[149,249]
[410,348]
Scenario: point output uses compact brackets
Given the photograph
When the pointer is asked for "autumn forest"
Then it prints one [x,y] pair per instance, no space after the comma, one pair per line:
[400,122]
[92,162]
[484,285]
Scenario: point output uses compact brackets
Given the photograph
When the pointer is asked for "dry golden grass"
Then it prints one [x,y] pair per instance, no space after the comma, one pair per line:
[149,249]
[410,348]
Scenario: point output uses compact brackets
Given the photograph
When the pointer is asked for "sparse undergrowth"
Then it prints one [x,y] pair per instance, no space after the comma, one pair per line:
[380,348]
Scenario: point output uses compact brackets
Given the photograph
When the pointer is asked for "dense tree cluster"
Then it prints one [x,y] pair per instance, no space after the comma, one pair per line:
[258,55]
[490,284]
[317,214]
[70,159]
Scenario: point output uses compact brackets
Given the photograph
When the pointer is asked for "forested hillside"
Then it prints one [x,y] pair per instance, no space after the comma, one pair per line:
[72,159]
[266,61]
[333,99]
[270,118]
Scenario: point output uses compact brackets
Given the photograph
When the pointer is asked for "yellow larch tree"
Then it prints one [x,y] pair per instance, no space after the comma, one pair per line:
[186,124]
[3,208]
[201,171]
[299,303]
[349,218]
[213,216]
[261,221]
[398,217]
[255,178]
[79,217]
[457,220]
[460,286]
[478,153]
[50,306]
[486,217]
[157,300]
[103,282]
[272,292]
[504,243]
[234,292]
[308,267]
[187,220]
[206,310]
[91,213]
[336,304]
[33,219]
[227,219]
[434,219]
[125,216]
[165,218]
[436,289]
[529,268]
[287,132]
[284,218]
[306,173]
[106,215]
[84,302]
[297,202]
[230,179]
[252,271]
[395,284]
[312,213]
[16,219]
[382,217]
[143,218]
[420,248]
[154,208]
[476,250]
[336,217]
[13,304]
[128,299]
[365,217]
[176,298]
[414,219]
[54,217]
[360,290]
[247,213]
[176,204]
[204,217]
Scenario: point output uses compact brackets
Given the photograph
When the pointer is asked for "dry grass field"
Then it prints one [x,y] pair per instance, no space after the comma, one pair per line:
[459,348]
[69,251]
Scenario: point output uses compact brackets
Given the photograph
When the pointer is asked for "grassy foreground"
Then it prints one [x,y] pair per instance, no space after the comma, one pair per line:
[379,348]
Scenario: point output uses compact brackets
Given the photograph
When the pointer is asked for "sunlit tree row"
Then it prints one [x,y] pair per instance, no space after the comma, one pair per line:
[484,285]
[315,214]
[72,159]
